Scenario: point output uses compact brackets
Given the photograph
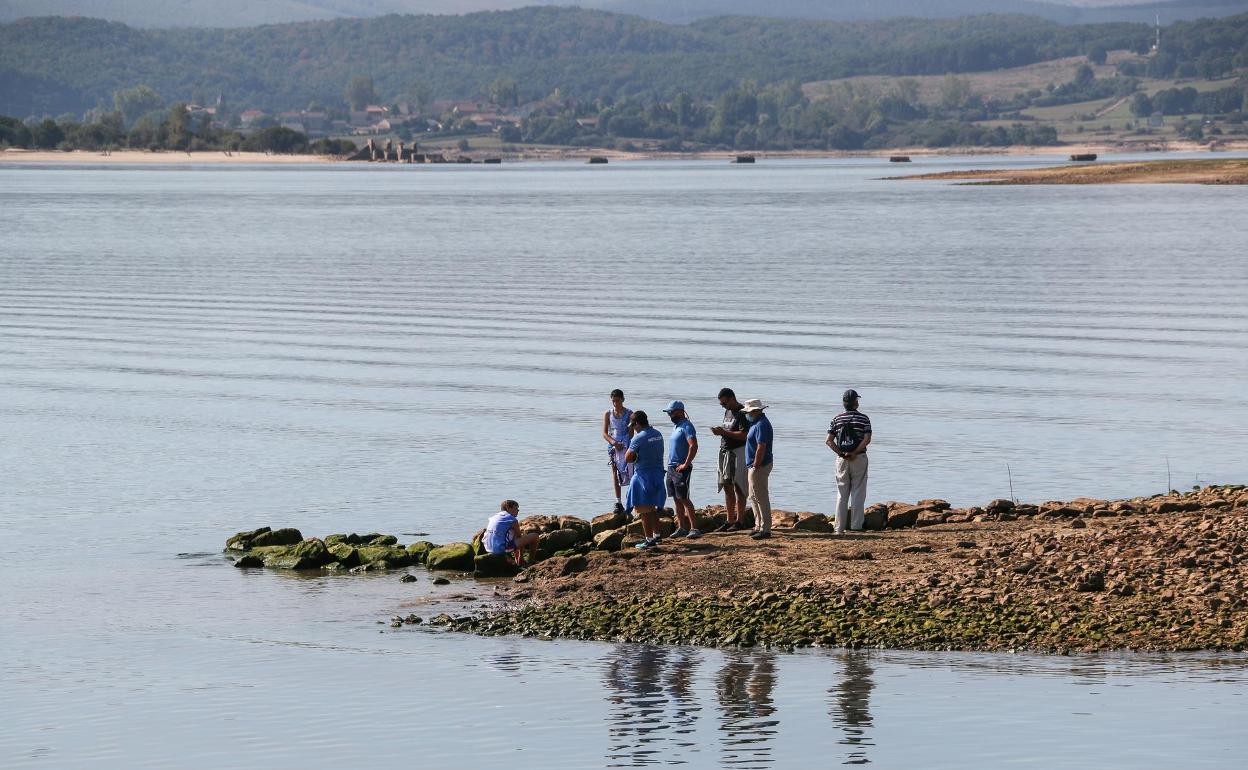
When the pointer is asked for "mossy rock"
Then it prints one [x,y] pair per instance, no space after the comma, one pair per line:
[384,540]
[242,541]
[336,538]
[312,549]
[284,536]
[495,565]
[452,556]
[419,551]
[250,561]
[398,557]
[345,554]
[271,551]
[478,546]
[290,562]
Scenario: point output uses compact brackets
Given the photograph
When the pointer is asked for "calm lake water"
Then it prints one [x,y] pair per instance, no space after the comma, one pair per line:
[187,352]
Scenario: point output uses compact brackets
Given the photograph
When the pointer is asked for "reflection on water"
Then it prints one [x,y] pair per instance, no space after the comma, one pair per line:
[655,716]
[851,705]
[745,686]
[653,710]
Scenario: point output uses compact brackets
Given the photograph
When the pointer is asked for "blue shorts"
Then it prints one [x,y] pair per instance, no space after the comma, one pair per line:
[646,488]
[678,483]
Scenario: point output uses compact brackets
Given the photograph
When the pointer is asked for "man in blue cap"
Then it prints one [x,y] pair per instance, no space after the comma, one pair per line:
[682,447]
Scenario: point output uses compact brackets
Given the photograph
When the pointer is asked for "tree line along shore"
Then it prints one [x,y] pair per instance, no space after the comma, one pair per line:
[574,78]
[1162,573]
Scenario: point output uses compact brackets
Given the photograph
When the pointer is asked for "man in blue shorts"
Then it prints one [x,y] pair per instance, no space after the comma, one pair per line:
[646,494]
[681,450]
[502,534]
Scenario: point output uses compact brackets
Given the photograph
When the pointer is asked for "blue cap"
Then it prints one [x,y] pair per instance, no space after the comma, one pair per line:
[674,406]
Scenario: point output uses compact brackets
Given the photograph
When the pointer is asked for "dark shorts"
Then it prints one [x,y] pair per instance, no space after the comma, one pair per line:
[678,483]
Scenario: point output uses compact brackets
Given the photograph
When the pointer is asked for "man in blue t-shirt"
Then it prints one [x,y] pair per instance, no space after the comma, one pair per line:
[646,494]
[758,443]
[681,449]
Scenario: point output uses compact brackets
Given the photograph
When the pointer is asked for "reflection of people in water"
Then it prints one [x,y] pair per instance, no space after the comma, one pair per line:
[653,708]
[850,702]
[745,685]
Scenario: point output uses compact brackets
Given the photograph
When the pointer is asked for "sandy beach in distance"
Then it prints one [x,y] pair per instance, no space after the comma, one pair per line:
[538,153]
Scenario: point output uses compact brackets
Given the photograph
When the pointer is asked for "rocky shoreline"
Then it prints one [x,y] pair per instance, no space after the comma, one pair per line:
[1164,573]
[1159,574]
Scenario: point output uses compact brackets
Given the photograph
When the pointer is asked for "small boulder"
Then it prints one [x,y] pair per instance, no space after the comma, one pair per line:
[906,516]
[787,519]
[452,556]
[248,562]
[582,527]
[876,518]
[1000,505]
[1091,582]
[814,522]
[931,518]
[384,540]
[284,536]
[242,541]
[290,562]
[708,521]
[419,551]
[441,581]
[409,578]
[344,554]
[550,542]
[494,565]
[610,540]
[312,549]
[607,522]
[398,557]
[936,503]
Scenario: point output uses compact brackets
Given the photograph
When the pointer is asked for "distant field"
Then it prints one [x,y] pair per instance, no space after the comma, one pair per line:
[1000,84]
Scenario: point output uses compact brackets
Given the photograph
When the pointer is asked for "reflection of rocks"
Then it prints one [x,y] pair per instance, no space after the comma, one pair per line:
[851,705]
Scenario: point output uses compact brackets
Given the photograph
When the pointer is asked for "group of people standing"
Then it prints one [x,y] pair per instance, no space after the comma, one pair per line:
[643,481]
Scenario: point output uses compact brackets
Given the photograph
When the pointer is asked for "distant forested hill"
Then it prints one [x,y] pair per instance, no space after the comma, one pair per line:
[246,13]
[50,65]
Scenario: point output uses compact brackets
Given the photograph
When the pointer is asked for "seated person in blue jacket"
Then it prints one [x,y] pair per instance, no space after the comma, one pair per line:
[502,534]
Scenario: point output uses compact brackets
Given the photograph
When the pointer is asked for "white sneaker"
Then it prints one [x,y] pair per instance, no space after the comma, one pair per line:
[694,534]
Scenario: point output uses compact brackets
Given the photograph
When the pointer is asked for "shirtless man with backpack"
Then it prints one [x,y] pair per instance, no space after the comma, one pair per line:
[848,436]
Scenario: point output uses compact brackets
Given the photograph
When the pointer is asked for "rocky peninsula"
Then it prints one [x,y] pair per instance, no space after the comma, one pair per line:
[1216,171]
[1163,573]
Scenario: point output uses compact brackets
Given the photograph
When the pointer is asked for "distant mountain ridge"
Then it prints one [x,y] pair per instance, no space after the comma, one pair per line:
[52,65]
[246,13]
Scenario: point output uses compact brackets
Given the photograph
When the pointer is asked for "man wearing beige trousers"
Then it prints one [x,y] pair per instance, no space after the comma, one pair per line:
[758,457]
[848,436]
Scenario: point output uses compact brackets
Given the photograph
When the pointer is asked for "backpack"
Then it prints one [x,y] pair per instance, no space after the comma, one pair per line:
[848,437]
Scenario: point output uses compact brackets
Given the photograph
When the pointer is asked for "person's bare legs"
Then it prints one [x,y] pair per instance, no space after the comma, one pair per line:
[730,503]
[684,514]
[649,521]
[615,481]
[528,542]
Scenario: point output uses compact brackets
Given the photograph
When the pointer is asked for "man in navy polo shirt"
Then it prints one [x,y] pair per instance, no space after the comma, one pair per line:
[758,457]
[681,449]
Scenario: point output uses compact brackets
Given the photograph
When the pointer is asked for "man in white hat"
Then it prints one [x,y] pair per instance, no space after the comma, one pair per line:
[758,443]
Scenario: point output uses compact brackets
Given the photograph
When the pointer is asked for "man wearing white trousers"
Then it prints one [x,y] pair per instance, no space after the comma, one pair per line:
[848,436]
